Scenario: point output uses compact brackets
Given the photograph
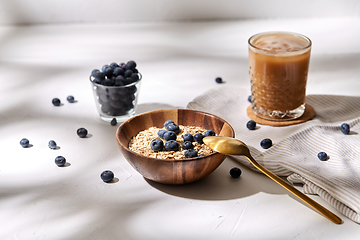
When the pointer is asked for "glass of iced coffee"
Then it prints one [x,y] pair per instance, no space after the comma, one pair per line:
[279,63]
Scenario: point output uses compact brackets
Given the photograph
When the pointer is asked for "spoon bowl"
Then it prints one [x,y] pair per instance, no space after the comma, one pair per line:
[233,146]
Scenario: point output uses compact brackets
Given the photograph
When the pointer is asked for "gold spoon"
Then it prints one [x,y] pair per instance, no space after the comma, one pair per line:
[232,146]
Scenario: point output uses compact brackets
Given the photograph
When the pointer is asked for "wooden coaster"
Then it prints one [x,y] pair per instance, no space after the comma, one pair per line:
[308,115]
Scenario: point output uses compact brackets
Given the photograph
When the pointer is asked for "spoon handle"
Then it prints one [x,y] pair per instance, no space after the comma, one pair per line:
[325,212]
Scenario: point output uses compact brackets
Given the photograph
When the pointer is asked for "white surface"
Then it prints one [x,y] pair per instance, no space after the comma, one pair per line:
[179,61]
[85,11]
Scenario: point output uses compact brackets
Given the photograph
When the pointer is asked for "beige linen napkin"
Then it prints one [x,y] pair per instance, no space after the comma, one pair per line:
[295,148]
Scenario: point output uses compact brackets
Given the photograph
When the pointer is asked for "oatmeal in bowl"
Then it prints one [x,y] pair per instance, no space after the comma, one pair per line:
[148,143]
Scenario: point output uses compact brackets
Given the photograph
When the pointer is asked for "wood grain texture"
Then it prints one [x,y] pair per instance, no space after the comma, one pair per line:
[165,170]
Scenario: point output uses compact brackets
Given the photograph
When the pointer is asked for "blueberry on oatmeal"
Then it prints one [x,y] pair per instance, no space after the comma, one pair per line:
[190,153]
[188,137]
[173,127]
[187,145]
[198,137]
[157,144]
[172,145]
[169,135]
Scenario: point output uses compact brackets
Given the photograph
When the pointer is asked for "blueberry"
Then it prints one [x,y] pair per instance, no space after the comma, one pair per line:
[201,155]
[128,80]
[251,125]
[187,145]
[190,153]
[218,80]
[56,102]
[345,128]
[157,145]
[209,133]
[82,132]
[113,122]
[60,161]
[168,122]
[108,82]
[122,65]
[120,81]
[173,127]
[70,99]
[161,133]
[172,145]
[128,73]
[135,77]
[108,72]
[249,98]
[114,65]
[24,142]
[235,172]
[118,71]
[198,137]
[169,135]
[107,176]
[52,144]
[104,67]
[131,64]
[188,137]
[94,72]
[99,76]
[322,156]
[266,143]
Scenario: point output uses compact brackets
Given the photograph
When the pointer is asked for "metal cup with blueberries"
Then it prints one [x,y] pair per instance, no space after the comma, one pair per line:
[116,90]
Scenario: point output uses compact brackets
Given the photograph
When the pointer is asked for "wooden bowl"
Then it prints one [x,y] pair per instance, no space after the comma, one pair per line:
[172,171]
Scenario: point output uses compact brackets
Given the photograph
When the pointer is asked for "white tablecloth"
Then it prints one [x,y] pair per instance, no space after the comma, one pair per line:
[178,61]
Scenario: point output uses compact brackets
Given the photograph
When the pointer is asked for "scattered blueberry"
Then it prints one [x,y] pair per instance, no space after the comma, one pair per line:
[188,137]
[107,176]
[82,132]
[190,153]
[173,127]
[201,155]
[56,102]
[266,143]
[60,161]
[187,145]
[157,144]
[322,156]
[161,133]
[168,122]
[249,98]
[172,145]
[169,135]
[345,128]
[52,144]
[70,99]
[251,125]
[235,172]
[113,122]
[209,133]
[24,142]
[198,137]
[218,80]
